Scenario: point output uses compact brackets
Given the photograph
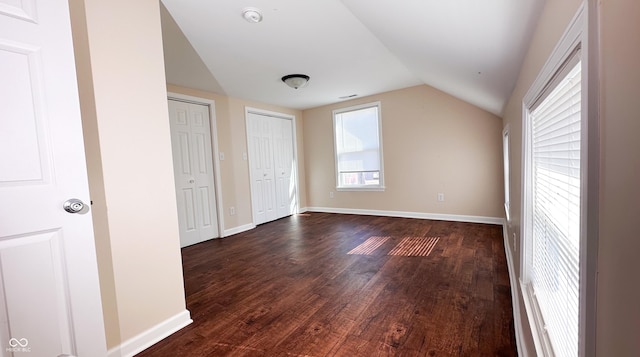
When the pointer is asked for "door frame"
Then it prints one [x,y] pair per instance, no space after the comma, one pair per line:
[251,110]
[215,155]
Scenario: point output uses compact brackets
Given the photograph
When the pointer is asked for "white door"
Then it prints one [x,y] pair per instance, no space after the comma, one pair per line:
[49,291]
[263,189]
[283,163]
[273,191]
[193,169]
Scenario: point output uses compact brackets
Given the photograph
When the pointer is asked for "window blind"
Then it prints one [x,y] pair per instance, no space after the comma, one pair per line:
[357,146]
[555,170]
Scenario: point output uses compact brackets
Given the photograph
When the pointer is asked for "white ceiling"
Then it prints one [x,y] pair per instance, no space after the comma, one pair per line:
[471,49]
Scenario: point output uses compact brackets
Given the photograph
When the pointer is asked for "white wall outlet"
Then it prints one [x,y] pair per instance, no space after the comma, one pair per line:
[221,156]
[232,210]
[331,194]
[440,197]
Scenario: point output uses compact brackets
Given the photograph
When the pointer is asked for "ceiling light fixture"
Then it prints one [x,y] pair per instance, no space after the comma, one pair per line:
[251,14]
[296,81]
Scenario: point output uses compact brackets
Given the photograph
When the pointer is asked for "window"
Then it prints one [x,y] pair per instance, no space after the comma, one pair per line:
[358,147]
[505,158]
[552,215]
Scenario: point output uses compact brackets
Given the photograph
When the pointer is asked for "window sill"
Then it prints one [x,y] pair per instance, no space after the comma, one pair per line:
[361,188]
[540,338]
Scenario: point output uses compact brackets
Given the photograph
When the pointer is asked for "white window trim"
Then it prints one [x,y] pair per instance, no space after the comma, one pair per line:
[581,31]
[379,187]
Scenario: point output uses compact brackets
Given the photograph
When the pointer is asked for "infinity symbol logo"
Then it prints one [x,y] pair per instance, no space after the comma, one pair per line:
[14,342]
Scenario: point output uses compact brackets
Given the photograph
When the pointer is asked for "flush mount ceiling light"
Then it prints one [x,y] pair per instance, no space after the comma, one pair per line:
[296,81]
[251,14]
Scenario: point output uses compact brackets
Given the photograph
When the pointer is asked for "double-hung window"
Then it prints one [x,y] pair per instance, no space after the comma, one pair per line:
[553,198]
[358,147]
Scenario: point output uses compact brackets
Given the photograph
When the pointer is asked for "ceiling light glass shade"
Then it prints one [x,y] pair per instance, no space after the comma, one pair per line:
[295,81]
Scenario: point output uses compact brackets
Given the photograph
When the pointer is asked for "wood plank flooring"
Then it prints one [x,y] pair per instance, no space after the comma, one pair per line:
[289,288]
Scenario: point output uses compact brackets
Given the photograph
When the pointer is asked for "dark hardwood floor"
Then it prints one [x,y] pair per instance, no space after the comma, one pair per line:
[289,288]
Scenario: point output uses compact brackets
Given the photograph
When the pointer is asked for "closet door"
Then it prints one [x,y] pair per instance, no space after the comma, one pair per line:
[283,162]
[193,170]
[273,191]
[263,190]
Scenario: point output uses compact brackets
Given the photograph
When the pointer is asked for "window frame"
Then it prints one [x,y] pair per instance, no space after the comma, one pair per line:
[506,162]
[380,186]
[577,35]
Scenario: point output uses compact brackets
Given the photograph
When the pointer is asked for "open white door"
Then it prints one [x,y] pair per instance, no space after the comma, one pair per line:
[49,291]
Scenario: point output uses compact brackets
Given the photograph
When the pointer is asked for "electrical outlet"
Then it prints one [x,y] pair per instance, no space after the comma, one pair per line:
[331,194]
[221,156]
[440,197]
[232,210]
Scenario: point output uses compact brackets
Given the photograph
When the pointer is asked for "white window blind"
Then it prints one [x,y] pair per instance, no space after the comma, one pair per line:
[555,211]
[358,147]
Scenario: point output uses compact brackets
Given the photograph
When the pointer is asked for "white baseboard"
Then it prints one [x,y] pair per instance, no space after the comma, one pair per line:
[151,336]
[515,298]
[419,215]
[239,229]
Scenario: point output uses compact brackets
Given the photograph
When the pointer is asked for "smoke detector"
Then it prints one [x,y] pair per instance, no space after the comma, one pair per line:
[251,14]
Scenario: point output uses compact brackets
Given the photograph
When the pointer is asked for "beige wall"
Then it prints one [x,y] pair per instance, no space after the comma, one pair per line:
[617,312]
[554,19]
[447,146]
[432,142]
[123,99]
[232,141]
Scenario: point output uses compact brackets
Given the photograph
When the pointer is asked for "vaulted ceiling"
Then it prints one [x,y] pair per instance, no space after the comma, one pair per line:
[470,49]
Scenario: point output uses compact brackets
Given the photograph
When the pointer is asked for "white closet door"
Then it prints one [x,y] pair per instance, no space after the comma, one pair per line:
[283,162]
[263,191]
[193,169]
[273,190]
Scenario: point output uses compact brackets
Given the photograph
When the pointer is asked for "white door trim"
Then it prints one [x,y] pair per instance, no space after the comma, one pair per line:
[214,146]
[252,110]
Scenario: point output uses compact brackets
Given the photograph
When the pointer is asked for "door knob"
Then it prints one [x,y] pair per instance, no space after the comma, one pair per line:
[192,181]
[75,205]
